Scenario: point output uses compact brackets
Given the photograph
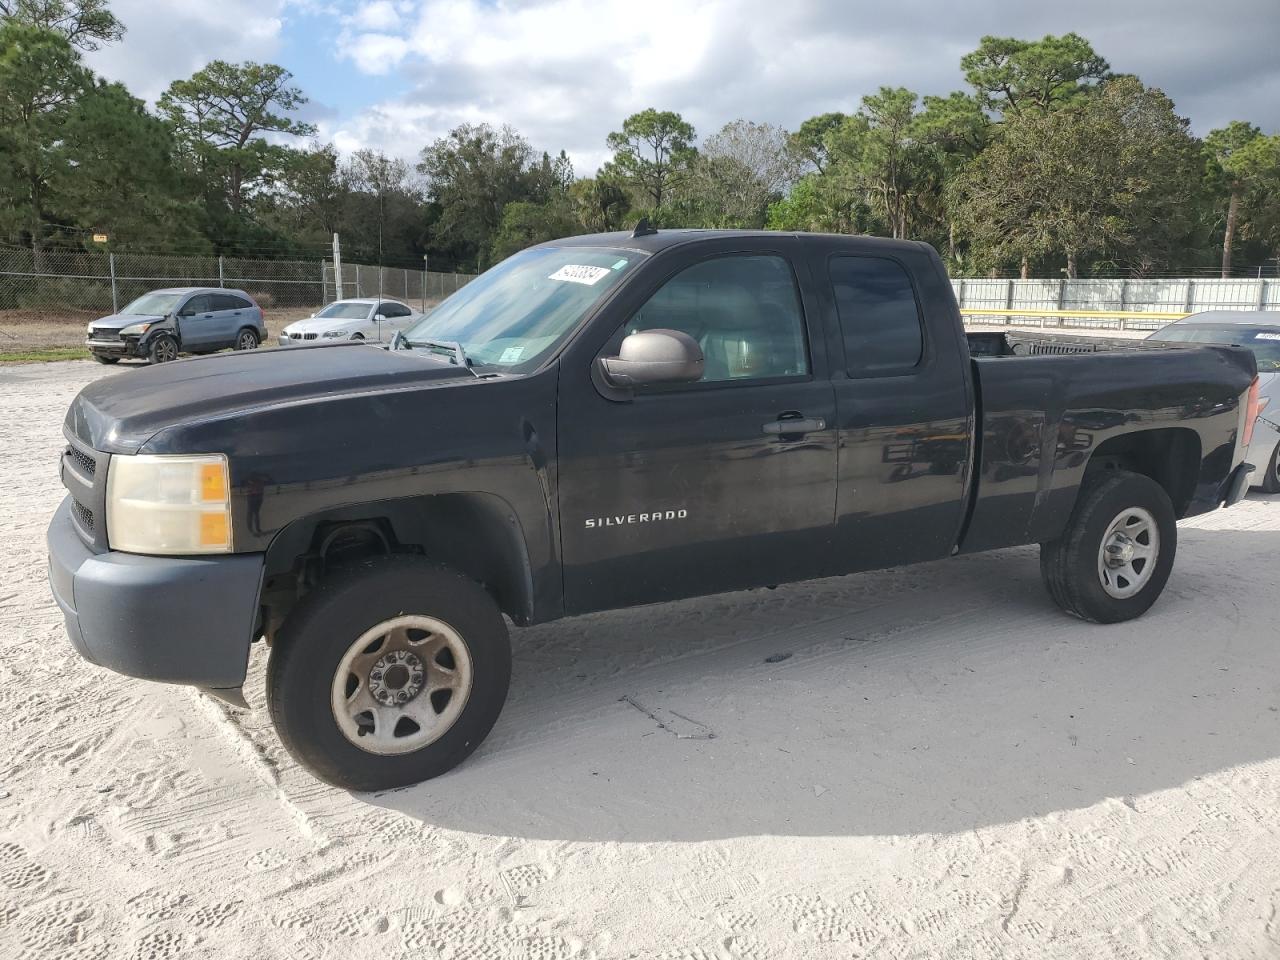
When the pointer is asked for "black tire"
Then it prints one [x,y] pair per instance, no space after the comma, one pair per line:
[357,336]
[103,358]
[1070,564]
[162,349]
[310,647]
[1271,473]
[247,339]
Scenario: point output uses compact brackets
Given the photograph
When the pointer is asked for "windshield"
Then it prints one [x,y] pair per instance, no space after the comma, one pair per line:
[1263,341]
[345,310]
[516,313]
[153,304]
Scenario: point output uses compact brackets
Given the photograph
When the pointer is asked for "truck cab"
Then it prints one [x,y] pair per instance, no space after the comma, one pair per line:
[595,423]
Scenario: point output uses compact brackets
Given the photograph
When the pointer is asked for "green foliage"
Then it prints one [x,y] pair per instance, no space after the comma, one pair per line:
[653,152]
[1014,76]
[219,115]
[1115,175]
[85,24]
[525,223]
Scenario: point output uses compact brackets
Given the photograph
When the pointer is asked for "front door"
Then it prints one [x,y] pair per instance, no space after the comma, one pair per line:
[196,324]
[722,484]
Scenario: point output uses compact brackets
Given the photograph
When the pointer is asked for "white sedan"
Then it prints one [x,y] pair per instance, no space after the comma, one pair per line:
[361,318]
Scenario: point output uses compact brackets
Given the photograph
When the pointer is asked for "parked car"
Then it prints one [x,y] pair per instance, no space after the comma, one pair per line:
[1259,330]
[595,423]
[162,324]
[360,318]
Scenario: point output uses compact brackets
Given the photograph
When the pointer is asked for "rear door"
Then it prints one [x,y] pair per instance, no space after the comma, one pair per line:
[904,409]
[197,325]
[231,313]
[698,488]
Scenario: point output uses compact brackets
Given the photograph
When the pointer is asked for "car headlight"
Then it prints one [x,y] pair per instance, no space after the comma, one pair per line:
[135,329]
[169,504]
[331,334]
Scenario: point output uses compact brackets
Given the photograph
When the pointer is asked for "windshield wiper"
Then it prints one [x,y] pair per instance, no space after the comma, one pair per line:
[460,357]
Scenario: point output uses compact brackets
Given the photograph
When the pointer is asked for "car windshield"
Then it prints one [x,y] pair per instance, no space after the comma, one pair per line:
[515,314]
[153,304]
[345,310]
[1263,341]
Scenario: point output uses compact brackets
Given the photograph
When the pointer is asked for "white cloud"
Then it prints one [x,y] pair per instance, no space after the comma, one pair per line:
[380,15]
[171,41]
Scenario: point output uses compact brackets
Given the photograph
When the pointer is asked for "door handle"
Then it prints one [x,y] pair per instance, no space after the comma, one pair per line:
[795,425]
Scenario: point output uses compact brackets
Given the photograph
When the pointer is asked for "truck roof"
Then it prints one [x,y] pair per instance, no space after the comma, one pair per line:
[1257,318]
[662,239]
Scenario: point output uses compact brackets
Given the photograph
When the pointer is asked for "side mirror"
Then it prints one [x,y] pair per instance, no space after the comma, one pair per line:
[378,318]
[654,356]
[186,312]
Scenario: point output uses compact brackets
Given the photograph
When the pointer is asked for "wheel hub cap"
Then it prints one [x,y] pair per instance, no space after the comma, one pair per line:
[396,678]
[1129,553]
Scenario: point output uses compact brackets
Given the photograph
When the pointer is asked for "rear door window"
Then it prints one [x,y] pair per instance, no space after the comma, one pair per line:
[228,301]
[879,318]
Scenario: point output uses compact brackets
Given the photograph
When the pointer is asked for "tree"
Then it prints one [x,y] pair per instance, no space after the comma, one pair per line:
[525,223]
[317,191]
[1013,77]
[600,204]
[472,174]
[40,80]
[1243,165]
[740,171]
[117,174]
[1114,174]
[810,145]
[86,24]
[220,115]
[653,151]
[952,131]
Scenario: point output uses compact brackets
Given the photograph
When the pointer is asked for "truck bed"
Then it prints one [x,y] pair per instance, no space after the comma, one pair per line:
[999,343]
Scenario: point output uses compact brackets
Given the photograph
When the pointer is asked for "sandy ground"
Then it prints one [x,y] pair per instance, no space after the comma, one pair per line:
[943,766]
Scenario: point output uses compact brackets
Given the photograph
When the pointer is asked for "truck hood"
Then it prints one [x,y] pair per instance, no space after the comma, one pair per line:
[118,321]
[119,413]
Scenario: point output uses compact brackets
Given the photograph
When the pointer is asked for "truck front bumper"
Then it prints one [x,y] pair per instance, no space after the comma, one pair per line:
[115,348]
[174,619]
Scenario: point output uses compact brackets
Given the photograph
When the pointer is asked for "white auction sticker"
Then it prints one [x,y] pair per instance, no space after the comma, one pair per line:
[1267,336]
[511,355]
[579,273]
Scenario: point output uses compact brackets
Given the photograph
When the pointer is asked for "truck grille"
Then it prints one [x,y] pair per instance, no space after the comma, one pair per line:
[84,474]
[84,516]
[82,461]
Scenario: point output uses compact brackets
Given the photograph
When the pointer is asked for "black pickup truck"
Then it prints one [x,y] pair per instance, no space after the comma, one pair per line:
[595,423]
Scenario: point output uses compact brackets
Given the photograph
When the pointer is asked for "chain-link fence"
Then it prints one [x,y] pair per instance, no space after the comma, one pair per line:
[60,284]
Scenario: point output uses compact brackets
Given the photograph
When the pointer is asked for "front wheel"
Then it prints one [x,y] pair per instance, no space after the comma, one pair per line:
[163,349]
[388,673]
[1114,558]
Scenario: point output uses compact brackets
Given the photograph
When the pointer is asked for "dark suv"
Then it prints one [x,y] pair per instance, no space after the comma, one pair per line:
[163,323]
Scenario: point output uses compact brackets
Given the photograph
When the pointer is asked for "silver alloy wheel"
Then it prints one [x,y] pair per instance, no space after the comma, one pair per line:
[1129,552]
[166,350]
[248,340]
[401,685]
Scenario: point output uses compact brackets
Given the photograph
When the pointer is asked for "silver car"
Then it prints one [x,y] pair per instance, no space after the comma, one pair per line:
[1259,330]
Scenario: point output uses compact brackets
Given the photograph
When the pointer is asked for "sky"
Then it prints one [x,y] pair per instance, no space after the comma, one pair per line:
[396,74]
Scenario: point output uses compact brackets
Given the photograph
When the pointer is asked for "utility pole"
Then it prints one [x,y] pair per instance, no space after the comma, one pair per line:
[337,267]
[424,282]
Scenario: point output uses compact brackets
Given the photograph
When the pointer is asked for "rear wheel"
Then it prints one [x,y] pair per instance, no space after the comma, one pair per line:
[1115,556]
[388,673]
[163,349]
[1271,473]
[247,339]
[104,358]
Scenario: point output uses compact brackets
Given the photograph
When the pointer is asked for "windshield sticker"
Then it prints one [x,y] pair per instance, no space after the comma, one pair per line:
[620,264]
[511,355]
[1267,336]
[579,273]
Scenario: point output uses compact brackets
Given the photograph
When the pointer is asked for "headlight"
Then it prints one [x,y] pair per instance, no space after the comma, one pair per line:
[169,504]
[135,329]
[330,334]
